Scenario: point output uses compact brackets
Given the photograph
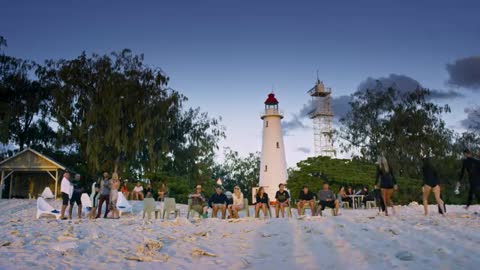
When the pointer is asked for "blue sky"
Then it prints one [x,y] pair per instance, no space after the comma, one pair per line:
[227,55]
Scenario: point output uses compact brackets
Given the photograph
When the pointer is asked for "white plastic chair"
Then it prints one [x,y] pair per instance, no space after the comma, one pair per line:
[123,205]
[47,193]
[43,208]
[170,206]
[86,203]
[149,206]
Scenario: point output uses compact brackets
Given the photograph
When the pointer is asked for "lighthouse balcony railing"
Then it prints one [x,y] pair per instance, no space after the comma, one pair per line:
[271,112]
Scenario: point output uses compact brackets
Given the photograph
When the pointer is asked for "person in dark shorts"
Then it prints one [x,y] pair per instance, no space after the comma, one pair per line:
[387,182]
[282,196]
[66,191]
[327,199]
[76,194]
[472,166]
[306,197]
[104,195]
[431,183]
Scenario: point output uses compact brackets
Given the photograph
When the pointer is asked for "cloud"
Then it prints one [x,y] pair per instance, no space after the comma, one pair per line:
[401,82]
[294,123]
[305,150]
[465,73]
[473,118]
[404,84]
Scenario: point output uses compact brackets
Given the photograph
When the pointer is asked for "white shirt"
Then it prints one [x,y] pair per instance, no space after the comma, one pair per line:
[236,200]
[66,187]
[138,189]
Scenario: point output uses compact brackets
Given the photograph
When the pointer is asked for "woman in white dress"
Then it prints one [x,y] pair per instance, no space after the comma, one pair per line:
[237,202]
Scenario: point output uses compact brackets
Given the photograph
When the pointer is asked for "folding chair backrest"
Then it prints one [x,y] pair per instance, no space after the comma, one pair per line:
[169,204]
[93,190]
[47,193]
[149,205]
[85,199]
[122,201]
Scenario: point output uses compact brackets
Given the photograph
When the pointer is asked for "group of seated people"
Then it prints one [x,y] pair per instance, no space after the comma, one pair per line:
[139,193]
[345,196]
[234,202]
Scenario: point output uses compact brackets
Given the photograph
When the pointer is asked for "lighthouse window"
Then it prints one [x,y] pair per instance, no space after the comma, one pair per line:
[278,145]
[266,123]
[265,167]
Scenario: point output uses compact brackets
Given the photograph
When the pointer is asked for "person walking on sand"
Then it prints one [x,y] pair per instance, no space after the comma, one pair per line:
[76,197]
[387,182]
[431,183]
[472,166]
[66,190]
[114,185]
[104,195]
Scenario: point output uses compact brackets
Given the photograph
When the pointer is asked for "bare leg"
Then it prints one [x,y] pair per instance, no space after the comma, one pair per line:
[277,209]
[214,211]
[224,211]
[79,211]
[70,211]
[282,210]
[426,192]
[312,207]
[337,207]
[300,208]
[264,208]
[257,210]
[62,213]
[436,192]
[384,196]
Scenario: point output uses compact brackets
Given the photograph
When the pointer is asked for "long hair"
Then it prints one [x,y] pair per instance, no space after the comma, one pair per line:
[237,192]
[115,176]
[383,164]
[262,192]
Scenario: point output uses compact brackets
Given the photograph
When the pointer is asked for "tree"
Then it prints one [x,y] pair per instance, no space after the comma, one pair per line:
[239,171]
[24,103]
[401,125]
[119,114]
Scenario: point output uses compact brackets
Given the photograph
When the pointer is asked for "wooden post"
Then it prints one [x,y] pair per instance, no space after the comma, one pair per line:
[56,183]
[1,184]
[11,186]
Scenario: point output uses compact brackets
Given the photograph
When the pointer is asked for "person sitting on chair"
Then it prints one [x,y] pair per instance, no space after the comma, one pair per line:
[306,197]
[367,196]
[327,199]
[218,201]
[124,189]
[261,202]
[138,191]
[237,204]
[162,192]
[199,202]
[282,196]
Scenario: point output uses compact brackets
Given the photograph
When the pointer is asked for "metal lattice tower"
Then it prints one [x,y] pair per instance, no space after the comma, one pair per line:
[322,117]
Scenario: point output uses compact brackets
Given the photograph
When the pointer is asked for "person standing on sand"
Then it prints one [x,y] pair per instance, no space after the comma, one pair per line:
[104,195]
[114,185]
[76,197]
[431,183]
[66,191]
[472,166]
[387,182]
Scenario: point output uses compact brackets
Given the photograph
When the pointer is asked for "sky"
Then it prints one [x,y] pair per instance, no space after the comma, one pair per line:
[226,56]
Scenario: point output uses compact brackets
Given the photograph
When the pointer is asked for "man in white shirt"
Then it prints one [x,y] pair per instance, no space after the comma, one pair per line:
[66,189]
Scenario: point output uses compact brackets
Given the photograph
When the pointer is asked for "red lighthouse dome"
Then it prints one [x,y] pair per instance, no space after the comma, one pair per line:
[271,100]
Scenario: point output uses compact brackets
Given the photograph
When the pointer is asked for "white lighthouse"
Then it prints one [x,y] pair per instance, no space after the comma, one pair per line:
[273,166]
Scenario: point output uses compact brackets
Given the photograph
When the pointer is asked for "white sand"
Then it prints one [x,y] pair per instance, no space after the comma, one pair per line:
[359,239]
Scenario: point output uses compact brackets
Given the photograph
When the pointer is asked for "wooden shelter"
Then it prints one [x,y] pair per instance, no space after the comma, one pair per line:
[27,173]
